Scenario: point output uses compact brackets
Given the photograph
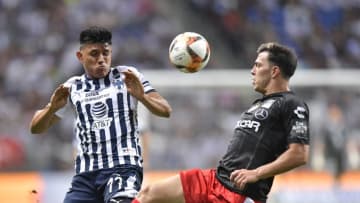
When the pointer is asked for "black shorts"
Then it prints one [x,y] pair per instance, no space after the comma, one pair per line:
[105,185]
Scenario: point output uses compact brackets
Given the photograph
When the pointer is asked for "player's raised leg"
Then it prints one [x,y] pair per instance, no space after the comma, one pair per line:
[164,191]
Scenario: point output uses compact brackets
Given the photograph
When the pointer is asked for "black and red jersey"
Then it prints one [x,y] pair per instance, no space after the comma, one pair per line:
[261,134]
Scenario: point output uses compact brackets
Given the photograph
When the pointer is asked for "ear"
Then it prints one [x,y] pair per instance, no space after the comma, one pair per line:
[79,55]
[275,72]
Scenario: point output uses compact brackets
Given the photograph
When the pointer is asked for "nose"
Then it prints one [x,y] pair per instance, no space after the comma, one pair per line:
[253,70]
[101,59]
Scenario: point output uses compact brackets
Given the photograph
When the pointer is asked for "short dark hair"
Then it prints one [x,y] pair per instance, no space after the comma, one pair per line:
[95,34]
[282,56]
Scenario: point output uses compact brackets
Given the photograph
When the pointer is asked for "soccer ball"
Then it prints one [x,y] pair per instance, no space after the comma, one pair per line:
[189,52]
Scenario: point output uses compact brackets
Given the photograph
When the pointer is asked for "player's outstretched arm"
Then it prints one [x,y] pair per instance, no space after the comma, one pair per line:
[153,100]
[295,156]
[156,104]
[43,119]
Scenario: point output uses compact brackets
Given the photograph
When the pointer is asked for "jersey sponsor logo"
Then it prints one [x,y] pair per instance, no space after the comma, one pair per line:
[299,128]
[248,124]
[261,114]
[99,110]
[92,94]
[101,124]
[299,111]
[95,97]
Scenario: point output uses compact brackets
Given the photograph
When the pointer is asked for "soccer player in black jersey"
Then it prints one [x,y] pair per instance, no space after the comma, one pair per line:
[109,166]
[270,138]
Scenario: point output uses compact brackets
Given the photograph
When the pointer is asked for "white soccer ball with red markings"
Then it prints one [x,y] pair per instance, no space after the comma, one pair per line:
[189,52]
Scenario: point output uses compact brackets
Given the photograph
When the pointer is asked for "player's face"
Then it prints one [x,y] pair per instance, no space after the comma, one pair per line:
[96,59]
[261,73]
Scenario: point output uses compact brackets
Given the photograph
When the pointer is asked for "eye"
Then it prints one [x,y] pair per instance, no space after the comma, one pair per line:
[106,53]
[94,53]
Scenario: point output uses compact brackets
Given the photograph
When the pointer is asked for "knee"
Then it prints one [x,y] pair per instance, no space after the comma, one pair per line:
[145,195]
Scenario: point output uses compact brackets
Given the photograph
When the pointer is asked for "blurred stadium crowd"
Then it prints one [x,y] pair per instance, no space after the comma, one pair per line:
[325,34]
[38,40]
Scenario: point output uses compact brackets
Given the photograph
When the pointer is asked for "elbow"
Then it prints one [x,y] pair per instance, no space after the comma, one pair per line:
[167,110]
[300,154]
[166,113]
[302,159]
[305,159]
[306,154]
[35,130]
[302,162]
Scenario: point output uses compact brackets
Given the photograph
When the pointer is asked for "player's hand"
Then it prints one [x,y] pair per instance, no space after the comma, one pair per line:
[133,84]
[243,176]
[59,98]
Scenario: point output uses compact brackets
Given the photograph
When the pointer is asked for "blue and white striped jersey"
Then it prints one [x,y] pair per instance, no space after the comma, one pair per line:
[106,124]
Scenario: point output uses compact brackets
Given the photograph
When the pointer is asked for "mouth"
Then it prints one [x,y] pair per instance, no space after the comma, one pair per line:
[102,70]
[253,81]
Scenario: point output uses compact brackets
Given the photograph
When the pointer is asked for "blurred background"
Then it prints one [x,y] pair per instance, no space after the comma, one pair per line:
[39,38]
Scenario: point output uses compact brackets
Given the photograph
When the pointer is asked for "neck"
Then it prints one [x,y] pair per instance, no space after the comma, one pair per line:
[280,86]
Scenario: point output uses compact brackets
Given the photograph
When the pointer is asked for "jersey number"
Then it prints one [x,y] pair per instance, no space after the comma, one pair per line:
[121,185]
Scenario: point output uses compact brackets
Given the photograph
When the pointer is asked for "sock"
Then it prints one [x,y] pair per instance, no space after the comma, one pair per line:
[135,201]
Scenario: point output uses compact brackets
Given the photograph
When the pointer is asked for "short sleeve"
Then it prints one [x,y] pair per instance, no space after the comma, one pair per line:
[296,121]
[146,83]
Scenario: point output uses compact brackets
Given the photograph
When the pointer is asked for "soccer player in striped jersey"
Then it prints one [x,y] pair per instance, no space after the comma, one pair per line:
[109,163]
[270,138]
